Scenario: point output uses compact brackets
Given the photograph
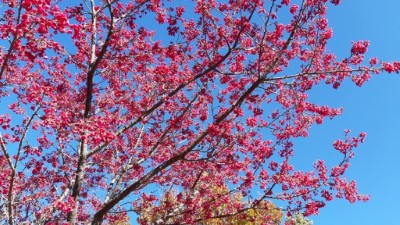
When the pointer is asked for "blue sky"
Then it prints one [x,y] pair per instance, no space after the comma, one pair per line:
[374,108]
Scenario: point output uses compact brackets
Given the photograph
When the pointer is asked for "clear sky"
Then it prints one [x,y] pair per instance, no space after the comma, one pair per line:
[374,108]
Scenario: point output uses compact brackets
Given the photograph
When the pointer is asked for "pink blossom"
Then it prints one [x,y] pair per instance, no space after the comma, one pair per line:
[359,47]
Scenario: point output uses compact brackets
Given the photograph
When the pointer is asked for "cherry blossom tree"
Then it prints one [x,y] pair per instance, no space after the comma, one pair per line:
[110,104]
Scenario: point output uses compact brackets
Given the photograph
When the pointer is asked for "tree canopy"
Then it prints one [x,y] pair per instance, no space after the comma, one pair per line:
[109,105]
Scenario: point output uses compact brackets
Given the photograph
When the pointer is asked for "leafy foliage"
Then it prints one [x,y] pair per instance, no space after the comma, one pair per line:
[169,211]
[299,220]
